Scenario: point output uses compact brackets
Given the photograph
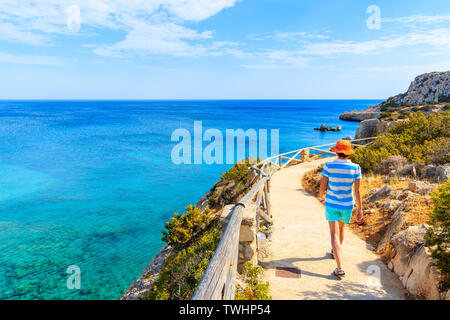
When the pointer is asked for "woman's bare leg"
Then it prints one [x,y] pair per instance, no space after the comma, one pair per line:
[335,242]
[341,232]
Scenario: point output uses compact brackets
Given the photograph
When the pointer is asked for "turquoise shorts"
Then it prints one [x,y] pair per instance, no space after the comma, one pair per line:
[333,214]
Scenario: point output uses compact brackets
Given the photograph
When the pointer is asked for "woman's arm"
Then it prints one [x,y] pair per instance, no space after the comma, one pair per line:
[323,188]
[359,215]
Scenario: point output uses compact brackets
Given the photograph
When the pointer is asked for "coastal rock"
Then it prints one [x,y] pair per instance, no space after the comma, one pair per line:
[359,115]
[374,127]
[367,129]
[325,128]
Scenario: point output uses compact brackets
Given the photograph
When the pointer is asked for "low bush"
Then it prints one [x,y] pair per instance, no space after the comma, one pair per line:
[417,140]
[183,227]
[239,171]
[183,270]
[254,289]
[438,236]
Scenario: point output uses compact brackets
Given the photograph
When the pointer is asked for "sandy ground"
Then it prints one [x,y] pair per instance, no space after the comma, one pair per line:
[301,239]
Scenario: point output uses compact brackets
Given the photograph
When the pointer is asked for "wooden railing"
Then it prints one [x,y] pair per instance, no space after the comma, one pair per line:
[218,281]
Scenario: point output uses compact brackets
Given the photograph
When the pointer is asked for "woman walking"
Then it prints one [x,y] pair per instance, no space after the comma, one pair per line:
[338,178]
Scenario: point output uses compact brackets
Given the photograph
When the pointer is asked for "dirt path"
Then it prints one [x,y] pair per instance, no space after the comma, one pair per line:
[301,240]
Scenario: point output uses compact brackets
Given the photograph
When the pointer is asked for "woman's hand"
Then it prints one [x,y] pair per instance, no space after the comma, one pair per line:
[359,216]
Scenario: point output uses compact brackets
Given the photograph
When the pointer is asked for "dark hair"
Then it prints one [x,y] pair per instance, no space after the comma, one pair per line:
[342,155]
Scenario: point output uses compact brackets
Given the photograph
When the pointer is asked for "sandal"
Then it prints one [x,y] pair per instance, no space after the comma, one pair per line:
[339,273]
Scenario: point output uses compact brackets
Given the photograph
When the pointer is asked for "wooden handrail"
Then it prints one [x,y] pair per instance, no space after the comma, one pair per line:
[218,281]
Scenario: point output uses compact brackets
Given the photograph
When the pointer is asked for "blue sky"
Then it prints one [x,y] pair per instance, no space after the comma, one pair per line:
[218,49]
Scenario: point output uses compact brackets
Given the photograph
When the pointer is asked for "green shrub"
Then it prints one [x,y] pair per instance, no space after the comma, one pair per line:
[183,227]
[438,236]
[417,140]
[254,289]
[182,271]
[238,172]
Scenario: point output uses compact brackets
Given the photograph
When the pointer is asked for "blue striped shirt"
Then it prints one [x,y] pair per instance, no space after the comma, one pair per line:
[341,175]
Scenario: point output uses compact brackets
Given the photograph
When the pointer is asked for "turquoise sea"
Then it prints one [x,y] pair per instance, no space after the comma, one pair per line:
[91,183]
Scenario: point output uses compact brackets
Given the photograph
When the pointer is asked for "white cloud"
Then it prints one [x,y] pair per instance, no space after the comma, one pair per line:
[438,39]
[30,59]
[164,38]
[418,19]
[197,10]
[151,26]
[9,32]
[288,36]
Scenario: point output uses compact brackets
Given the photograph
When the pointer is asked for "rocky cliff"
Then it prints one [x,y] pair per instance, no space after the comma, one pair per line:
[433,87]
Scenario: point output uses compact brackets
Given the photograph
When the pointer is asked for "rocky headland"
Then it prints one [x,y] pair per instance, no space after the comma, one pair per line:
[427,89]
[429,93]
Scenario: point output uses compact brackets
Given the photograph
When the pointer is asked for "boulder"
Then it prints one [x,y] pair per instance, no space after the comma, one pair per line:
[405,195]
[437,174]
[383,193]
[410,238]
[412,170]
[398,220]
[391,165]
[405,243]
[367,129]
[423,278]
[420,187]
[392,205]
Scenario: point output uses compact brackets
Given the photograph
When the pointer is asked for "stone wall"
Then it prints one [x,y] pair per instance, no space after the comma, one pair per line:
[247,235]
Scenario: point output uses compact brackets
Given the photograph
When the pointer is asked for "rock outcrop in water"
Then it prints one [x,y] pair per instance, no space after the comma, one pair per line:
[325,128]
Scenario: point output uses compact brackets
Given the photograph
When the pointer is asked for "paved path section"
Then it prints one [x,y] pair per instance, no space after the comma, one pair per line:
[301,240]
